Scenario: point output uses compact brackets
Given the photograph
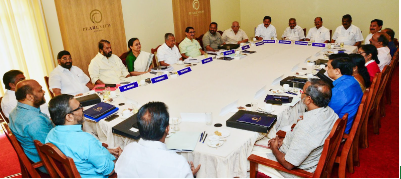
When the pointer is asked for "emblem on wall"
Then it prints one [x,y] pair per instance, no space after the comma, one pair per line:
[195,4]
[96,16]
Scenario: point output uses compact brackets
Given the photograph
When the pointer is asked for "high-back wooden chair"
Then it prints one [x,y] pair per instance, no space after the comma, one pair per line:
[363,132]
[330,34]
[377,105]
[392,65]
[123,57]
[304,29]
[57,164]
[326,161]
[1,112]
[200,40]
[48,87]
[28,168]
[155,59]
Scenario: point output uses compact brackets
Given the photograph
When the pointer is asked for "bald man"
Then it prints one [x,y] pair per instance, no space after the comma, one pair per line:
[27,122]
[235,35]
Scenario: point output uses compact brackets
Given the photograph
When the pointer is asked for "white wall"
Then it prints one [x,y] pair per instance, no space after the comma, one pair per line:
[224,12]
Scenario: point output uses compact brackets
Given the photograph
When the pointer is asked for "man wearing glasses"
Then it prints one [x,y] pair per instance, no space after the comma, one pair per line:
[90,157]
[190,47]
[68,79]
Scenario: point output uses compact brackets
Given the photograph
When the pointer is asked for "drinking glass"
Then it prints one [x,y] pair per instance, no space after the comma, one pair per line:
[209,119]
[341,45]
[106,94]
[328,45]
[206,55]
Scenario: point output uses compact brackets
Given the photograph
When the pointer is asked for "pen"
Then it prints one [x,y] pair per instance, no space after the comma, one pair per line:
[201,137]
[204,139]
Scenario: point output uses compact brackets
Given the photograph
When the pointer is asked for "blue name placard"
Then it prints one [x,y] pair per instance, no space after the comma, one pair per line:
[183,71]
[284,42]
[245,47]
[128,86]
[269,41]
[229,52]
[318,44]
[207,60]
[259,43]
[159,78]
[301,43]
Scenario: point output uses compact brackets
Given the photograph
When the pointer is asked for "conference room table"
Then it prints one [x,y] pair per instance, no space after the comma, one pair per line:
[220,87]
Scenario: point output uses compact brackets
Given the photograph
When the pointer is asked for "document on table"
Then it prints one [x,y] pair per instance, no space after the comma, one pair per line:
[169,68]
[260,93]
[193,117]
[232,107]
[295,67]
[277,80]
[192,60]
[183,141]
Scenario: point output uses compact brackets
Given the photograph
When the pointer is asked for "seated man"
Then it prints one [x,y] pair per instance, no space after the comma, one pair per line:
[375,26]
[168,53]
[319,33]
[235,35]
[9,102]
[190,47]
[380,41]
[346,93]
[265,31]
[293,32]
[26,121]
[302,147]
[90,157]
[105,67]
[347,33]
[68,79]
[149,157]
[212,40]
[391,44]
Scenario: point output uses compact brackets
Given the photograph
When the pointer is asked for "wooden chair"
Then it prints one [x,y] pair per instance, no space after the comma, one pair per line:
[200,40]
[123,57]
[326,161]
[1,112]
[155,60]
[48,87]
[304,31]
[330,34]
[363,134]
[378,104]
[393,64]
[396,43]
[28,169]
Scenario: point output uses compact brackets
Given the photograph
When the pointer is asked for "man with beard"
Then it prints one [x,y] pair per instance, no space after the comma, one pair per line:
[347,33]
[105,67]
[211,40]
[68,79]
[26,121]
[375,26]
[9,102]
[190,47]
[90,157]
[235,35]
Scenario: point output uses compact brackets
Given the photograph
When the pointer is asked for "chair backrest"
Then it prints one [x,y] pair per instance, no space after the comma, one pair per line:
[383,83]
[155,60]
[394,62]
[304,31]
[123,57]
[200,40]
[48,87]
[57,164]
[396,43]
[330,34]
[221,32]
[330,148]
[27,168]
[1,112]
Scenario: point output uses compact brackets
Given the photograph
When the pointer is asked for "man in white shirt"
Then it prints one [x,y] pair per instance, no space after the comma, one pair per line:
[319,33]
[149,157]
[375,26]
[293,32]
[68,79]
[168,53]
[9,102]
[235,35]
[266,31]
[105,67]
[347,33]
[380,41]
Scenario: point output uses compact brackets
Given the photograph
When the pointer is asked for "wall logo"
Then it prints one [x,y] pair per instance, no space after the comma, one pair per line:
[96,16]
[195,4]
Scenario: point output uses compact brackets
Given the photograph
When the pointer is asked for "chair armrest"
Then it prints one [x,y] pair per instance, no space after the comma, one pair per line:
[281,134]
[273,164]
[37,164]
[105,145]
[114,175]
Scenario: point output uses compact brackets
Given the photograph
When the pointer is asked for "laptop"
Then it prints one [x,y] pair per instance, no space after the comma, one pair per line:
[123,128]
[228,46]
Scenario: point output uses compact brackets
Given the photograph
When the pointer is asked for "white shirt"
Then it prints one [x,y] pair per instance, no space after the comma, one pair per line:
[9,102]
[71,81]
[167,54]
[383,54]
[229,37]
[294,34]
[266,33]
[151,159]
[319,35]
[369,37]
[109,70]
[349,36]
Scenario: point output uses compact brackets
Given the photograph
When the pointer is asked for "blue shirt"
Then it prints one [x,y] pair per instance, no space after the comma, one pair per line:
[346,97]
[90,157]
[392,48]
[28,124]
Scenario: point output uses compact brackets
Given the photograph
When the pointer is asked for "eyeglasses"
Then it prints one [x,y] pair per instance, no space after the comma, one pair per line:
[80,107]
[192,32]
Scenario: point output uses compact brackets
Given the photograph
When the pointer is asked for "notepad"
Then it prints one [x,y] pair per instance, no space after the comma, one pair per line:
[183,141]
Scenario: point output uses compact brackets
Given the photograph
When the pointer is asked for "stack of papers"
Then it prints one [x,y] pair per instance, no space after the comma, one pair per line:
[183,141]
[169,68]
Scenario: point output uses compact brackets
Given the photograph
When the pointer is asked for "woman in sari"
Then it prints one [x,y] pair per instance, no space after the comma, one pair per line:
[360,72]
[138,62]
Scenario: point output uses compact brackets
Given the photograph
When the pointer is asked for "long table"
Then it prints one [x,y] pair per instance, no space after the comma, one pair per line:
[209,88]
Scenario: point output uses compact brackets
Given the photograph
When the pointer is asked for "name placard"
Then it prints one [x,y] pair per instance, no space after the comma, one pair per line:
[128,86]
[245,47]
[183,71]
[229,52]
[269,41]
[259,43]
[318,45]
[159,78]
[207,60]
[301,43]
[284,42]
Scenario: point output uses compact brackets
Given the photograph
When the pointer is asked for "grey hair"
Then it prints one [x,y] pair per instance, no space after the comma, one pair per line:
[320,92]
[167,35]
